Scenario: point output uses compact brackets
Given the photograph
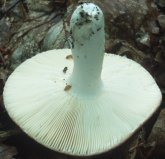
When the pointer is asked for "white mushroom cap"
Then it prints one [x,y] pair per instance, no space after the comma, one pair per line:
[81,106]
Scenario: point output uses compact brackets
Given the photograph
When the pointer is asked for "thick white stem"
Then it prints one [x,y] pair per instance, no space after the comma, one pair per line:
[87,31]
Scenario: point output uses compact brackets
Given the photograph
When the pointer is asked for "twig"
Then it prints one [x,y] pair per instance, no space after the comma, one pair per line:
[3,60]
[135,147]
[4,4]
[42,23]
[10,8]
[66,32]
[36,26]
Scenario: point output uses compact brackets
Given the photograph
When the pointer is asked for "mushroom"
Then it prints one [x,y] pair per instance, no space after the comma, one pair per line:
[91,107]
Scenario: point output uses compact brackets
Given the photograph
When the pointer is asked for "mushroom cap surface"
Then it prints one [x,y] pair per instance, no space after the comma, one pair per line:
[35,99]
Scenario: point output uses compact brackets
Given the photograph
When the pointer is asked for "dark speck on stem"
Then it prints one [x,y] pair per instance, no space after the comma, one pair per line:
[82,14]
[96,17]
[87,21]
[72,45]
[65,69]
[80,23]
[87,14]
[81,2]
[98,29]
